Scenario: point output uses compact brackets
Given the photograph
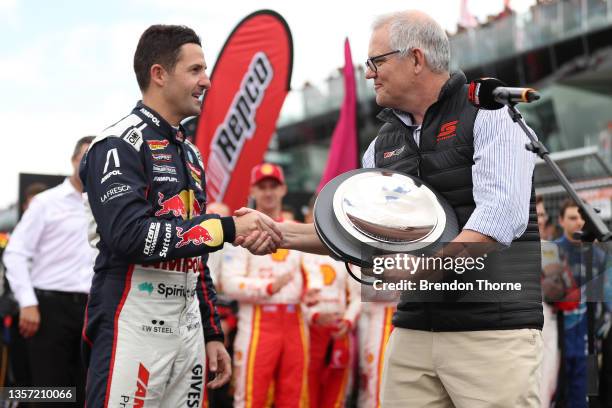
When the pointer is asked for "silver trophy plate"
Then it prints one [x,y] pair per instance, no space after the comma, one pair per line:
[374,211]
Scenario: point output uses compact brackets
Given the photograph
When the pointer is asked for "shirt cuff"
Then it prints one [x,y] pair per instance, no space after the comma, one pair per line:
[27,298]
[488,222]
[229,229]
[214,337]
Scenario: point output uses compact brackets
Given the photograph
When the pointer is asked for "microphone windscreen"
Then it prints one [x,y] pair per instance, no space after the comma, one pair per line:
[480,93]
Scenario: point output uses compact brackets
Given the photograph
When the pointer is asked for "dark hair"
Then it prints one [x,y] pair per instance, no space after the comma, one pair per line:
[160,44]
[79,144]
[567,203]
[539,199]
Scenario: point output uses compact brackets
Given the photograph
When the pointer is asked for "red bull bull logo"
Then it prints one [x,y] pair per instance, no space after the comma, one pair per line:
[196,235]
[174,205]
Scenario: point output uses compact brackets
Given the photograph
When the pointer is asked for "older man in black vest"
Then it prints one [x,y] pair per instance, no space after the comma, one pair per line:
[461,354]
[466,354]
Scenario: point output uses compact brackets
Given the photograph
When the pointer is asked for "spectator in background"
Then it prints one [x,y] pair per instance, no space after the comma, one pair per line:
[551,269]
[331,322]
[49,268]
[18,372]
[573,378]
[271,345]
[227,308]
[542,216]
[375,327]
[550,231]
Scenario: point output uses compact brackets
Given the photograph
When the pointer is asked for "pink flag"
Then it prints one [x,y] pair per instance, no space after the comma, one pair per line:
[343,149]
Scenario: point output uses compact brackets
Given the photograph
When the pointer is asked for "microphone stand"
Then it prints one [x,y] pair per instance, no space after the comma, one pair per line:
[594,229]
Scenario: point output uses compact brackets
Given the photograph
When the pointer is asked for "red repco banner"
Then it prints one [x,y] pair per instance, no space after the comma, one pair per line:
[249,83]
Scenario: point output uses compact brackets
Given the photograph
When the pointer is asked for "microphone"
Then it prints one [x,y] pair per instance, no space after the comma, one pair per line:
[492,94]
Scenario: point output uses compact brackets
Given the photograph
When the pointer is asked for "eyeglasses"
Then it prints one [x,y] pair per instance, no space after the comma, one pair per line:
[371,62]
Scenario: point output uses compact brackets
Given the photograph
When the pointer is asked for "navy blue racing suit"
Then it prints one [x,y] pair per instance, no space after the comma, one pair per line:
[151,306]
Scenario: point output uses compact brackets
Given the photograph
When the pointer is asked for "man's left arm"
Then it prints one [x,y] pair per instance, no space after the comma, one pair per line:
[502,176]
[219,361]
[208,298]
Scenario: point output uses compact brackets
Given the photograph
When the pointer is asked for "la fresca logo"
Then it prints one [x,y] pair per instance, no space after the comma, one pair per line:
[146,287]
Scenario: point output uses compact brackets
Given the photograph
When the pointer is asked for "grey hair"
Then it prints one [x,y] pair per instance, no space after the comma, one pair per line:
[407,31]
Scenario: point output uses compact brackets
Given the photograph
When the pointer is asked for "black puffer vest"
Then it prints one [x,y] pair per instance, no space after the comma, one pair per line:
[444,160]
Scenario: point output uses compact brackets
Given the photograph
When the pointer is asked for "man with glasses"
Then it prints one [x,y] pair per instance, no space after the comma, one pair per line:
[445,353]
[454,353]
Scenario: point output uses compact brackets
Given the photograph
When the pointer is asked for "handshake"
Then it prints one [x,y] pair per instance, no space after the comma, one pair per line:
[257,232]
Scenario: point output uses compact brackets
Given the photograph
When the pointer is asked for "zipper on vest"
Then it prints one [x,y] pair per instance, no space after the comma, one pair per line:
[411,141]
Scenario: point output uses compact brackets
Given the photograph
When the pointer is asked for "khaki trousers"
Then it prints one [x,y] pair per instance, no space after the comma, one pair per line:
[471,369]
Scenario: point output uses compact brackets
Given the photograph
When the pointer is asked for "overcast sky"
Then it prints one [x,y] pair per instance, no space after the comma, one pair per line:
[66,66]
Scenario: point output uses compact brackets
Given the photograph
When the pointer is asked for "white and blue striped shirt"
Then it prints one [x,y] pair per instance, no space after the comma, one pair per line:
[501,174]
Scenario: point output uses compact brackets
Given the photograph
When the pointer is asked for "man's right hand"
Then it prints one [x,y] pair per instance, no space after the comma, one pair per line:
[256,231]
[29,321]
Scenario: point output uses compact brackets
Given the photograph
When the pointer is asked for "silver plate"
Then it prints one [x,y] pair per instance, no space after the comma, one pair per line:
[389,211]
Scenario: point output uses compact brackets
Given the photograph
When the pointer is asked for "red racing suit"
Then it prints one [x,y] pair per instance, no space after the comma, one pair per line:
[151,305]
[329,373]
[271,347]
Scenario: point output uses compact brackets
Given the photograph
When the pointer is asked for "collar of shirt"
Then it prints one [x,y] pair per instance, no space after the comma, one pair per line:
[406,118]
[179,133]
[68,189]
[156,121]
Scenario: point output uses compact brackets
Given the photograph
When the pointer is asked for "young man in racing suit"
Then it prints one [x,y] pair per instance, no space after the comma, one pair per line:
[151,307]
[271,347]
